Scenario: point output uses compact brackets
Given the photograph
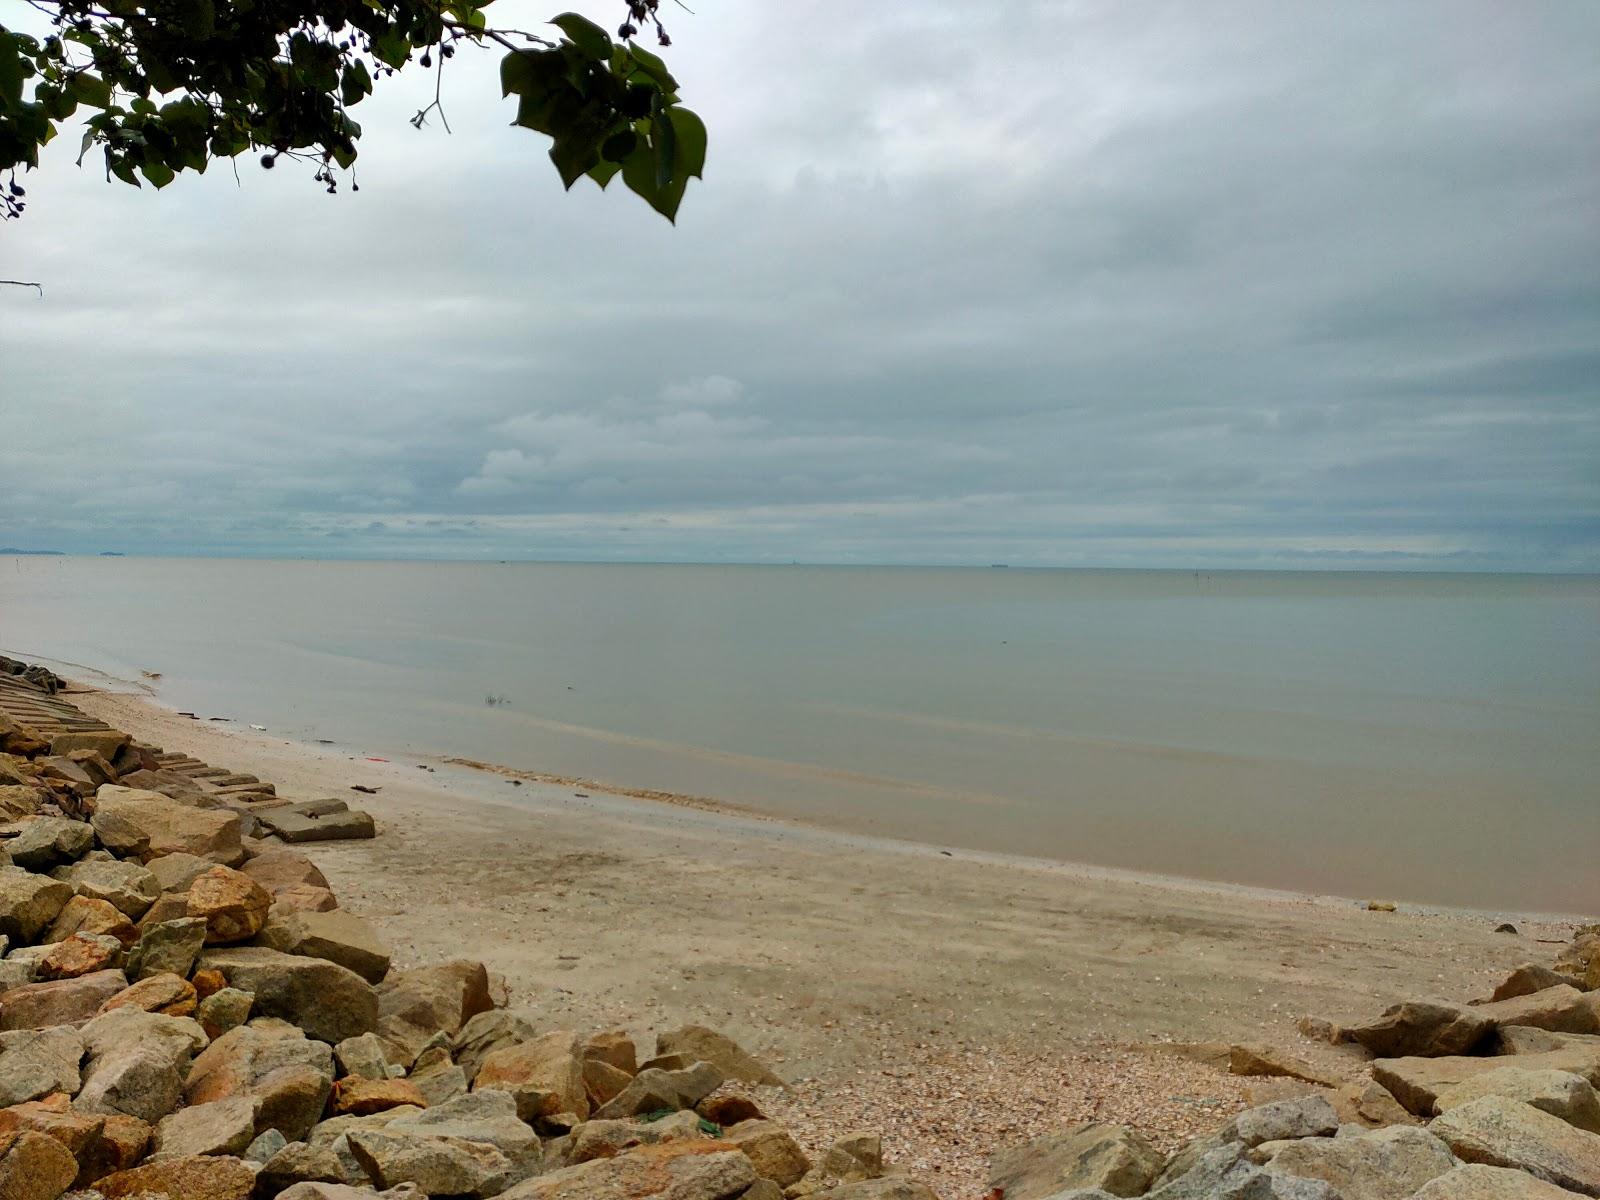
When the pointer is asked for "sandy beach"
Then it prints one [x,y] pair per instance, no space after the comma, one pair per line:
[954,1001]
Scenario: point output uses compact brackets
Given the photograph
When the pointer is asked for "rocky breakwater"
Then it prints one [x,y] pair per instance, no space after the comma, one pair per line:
[1491,1099]
[187,1014]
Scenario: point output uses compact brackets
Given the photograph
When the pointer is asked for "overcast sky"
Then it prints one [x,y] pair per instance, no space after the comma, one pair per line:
[1167,284]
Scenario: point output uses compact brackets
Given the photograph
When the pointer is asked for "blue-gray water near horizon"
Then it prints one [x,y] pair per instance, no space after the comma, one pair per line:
[1433,738]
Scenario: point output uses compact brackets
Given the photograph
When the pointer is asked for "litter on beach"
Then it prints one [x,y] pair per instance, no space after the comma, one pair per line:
[259,728]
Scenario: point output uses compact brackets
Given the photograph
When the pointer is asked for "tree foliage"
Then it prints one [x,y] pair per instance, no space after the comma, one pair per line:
[166,86]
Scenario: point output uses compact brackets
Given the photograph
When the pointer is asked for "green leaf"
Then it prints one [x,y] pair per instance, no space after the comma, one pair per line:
[11,69]
[652,66]
[639,173]
[392,48]
[518,73]
[666,144]
[603,172]
[618,146]
[355,83]
[586,35]
[157,172]
[91,90]
[690,130]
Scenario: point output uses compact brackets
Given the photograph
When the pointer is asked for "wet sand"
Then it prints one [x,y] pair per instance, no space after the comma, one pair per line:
[881,970]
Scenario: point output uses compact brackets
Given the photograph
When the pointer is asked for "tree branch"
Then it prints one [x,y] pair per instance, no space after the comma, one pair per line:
[24,283]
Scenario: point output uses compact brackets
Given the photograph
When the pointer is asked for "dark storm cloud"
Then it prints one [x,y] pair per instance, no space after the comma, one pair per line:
[1062,283]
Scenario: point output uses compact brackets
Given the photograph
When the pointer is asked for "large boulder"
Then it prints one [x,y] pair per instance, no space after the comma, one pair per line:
[34,1166]
[414,1005]
[1500,1132]
[137,1062]
[607,1139]
[444,1166]
[337,936]
[83,915]
[696,1043]
[39,1062]
[543,1076]
[167,948]
[1303,1116]
[62,1002]
[47,842]
[171,827]
[490,1030]
[175,872]
[489,1117]
[168,994]
[221,1127]
[104,742]
[1417,1082]
[128,887]
[1386,1164]
[327,1001]
[691,1170]
[278,869]
[771,1150]
[1424,1028]
[1114,1158]
[1473,1181]
[1559,1093]
[288,1077]
[204,1177]
[233,905]
[1527,979]
[1560,1009]
[29,902]
[80,954]
[653,1089]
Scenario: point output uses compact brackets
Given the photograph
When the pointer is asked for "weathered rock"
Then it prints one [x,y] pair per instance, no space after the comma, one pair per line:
[1559,1009]
[1368,1102]
[1500,1132]
[438,1165]
[696,1043]
[337,936]
[20,800]
[221,1127]
[264,1146]
[120,836]
[168,994]
[1306,1116]
[1385,1164]
[292,826]
[233,906]
[62,769]
[104,742]
[304,898]
[1525,1039]
[1473,1181]
[339,1191]
[126,886]
[853,1158]
[289,1076]
[489,1117]
[354,1096]
[1526,980]
[172,827]
[137,1062]
[1260,1060]
[80,954]
[900,1188]
[62,1002]
[47,842]
[34,1166]
[1111,1157]
[614,1048]
[652,1090]
[83,915]
[278,868]
[607,1139]
[1417,1082]
[774,1154]
[205,1177]
[414,1005]
[603,1082]
[543,1076]
[29,902]
[176,872]
[485,1032]
[167,948]
[22,740]
[53,1116]
[690,1170]
[36,1063]
[224,1009]
[362,1057]
[329,1002]
[1424,1028]
[1559,1093]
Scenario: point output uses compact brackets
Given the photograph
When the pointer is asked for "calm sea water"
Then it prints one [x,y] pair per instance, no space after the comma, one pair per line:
[1432,738]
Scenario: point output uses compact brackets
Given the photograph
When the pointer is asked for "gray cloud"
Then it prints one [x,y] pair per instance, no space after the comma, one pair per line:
[1249,284]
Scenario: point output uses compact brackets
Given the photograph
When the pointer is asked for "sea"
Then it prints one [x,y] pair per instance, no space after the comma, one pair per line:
[1425,738]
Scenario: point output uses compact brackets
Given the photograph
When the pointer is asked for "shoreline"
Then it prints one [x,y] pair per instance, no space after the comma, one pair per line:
[229,727]
[859,968]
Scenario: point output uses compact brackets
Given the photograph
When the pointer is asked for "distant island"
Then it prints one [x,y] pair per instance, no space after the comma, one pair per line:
[14,550]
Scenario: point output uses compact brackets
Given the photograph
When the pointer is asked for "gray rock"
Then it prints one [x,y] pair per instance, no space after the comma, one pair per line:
[1302,1117]
[1417,1082]
[1559,1093]
[1499,1132]
[724,1175]
[221,1127]
[438,1165]
[126,886]
[1382,1165]
[1423,1028]
[169,947]
[226,1008]
[29,902]
[652,1090]
[485,1033]
[36,1062]
[47,842]
[479,1117]
[292,826]
[137,1062]
[362,1056]
[327,1001]
[1473,1181]
[265,1146]
[1112,1157]
[175,872]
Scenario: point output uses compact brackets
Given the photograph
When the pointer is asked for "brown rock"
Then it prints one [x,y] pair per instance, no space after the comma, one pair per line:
[105,743]
[614,1048]
[84,915]
[652,1090]
[176,872]
[1417,1082]
[29,902]
[545,1076]
[22,740]
[289,1076]
[414,1005]
[169,994]
[208,981]
[305,898]
[698,1170]
[1110,1157]
[1559,1009]
[222,1127]
[356,1096]
[1424,1028]
[203,1177]
[1527,979]
[1268,1061]
[168,907]
[696,1043]
[604,1082]
[337,936]
[172,827]
[80,954]
[729,1108]
[233,906]
[20,800]
[278,869]
[324,999]
[774,1154]
[34,1166]
[63,1002]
